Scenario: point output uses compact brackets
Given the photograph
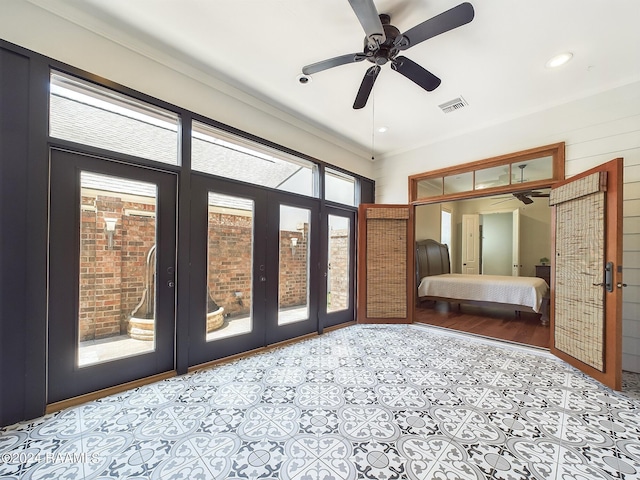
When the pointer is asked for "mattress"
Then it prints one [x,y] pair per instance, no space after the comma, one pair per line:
[525,291]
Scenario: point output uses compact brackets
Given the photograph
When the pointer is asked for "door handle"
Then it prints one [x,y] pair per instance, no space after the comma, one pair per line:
[608,278]
[620,285]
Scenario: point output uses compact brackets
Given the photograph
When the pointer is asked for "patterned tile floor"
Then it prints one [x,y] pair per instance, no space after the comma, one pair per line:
[364,402]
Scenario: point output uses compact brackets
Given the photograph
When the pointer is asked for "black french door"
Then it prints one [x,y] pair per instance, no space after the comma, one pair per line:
[112,245]
[339,264]
[254,262]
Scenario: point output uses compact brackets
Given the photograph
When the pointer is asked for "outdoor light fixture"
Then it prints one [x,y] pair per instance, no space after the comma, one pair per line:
[110,228]
[294,244]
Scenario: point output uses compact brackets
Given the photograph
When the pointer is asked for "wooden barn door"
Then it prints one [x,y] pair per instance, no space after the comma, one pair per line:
[586,295]
[385,264]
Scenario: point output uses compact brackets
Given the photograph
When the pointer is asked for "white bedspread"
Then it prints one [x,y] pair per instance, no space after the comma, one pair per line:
[526,291]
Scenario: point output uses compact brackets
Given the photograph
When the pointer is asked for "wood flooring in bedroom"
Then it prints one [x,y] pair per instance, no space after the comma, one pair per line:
[489,322]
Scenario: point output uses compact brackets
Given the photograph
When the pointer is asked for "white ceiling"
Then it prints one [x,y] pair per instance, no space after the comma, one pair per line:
[496,62]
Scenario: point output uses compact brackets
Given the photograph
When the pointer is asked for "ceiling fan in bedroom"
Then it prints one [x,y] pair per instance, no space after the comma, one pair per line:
[384,42]
[525,196]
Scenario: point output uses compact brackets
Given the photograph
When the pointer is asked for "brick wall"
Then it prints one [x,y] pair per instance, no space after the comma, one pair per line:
[293,269]
[111,280]
[339,273]
[230,264]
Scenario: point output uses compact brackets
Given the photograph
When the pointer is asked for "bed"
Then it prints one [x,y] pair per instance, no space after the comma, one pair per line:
[437,283]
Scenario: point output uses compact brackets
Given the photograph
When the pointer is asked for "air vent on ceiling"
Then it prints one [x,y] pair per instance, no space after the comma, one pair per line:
[453,105]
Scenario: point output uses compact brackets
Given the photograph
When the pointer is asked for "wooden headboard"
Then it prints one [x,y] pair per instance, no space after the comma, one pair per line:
[432,258]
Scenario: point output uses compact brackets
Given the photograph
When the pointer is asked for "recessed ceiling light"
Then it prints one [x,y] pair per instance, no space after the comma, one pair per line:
[559,60]
[383,129]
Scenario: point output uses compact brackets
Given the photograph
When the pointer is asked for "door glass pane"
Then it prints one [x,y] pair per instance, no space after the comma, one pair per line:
[230,266]
[116,313]
[339,264]
[293,291]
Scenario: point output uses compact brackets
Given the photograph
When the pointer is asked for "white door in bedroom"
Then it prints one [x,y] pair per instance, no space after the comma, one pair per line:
[471,244]
[515,250]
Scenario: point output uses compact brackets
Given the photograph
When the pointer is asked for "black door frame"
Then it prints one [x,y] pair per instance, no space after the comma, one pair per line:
[65,379]
[348,315]
[265,281]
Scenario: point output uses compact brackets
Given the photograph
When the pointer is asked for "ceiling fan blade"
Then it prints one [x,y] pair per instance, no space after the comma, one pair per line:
[523,198]
[368,17]
[416,73]
[452,18]
[366,86]
[333,62]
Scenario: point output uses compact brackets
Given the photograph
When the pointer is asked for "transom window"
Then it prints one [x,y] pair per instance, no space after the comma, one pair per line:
[86,113]
[520,171]
[219,153]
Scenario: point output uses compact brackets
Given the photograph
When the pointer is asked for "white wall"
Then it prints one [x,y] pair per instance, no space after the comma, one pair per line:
[497,243]
[428,222]
[595,129]
[29,26]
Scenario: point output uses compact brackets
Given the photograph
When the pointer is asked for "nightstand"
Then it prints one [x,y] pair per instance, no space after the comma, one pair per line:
[544,272]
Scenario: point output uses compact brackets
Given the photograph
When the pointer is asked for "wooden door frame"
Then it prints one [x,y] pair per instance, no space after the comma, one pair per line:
[361,308]
[612,375]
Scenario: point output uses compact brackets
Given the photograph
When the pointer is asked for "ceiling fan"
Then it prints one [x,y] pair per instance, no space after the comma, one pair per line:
[524,196]
[383,43]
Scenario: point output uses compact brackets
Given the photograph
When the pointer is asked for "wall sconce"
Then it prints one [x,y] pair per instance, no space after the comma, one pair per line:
[294,244]
[110,228]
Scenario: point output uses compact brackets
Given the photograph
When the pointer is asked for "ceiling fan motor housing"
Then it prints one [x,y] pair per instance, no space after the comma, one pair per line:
[385,51]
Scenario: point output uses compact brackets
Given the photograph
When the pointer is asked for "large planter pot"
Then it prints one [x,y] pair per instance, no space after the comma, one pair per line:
[141,328]
[215,319]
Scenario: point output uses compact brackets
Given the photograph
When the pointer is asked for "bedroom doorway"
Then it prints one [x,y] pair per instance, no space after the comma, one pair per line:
[587,209]
[513,238]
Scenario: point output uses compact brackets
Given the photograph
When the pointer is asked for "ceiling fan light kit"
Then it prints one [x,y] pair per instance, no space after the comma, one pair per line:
[383,43]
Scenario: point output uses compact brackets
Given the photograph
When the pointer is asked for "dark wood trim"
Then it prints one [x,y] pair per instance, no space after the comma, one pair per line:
[88,397]
[557,150]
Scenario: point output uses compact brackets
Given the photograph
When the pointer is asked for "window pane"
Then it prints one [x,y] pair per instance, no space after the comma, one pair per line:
[492,177]
[532,170]
[431,187]
[230,266]
[339,264]
[116,315]
[293,291]
[220,153]
[461,182]
[339,187]
[85,113]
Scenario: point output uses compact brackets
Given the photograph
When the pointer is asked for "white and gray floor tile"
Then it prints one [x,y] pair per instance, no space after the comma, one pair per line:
[364,402]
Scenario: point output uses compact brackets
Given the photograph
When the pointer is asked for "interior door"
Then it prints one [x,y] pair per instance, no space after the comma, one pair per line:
[471,244]
[586,298]
[386,276]
[111,274]
[515,247]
